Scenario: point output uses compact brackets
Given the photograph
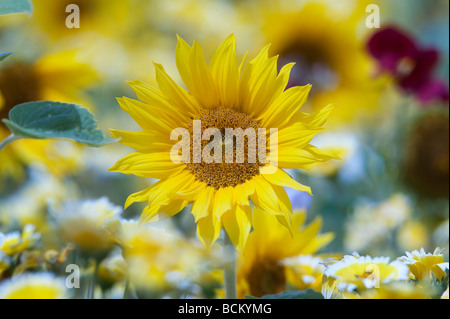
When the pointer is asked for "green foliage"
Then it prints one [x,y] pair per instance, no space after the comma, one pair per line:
[297,294]
[47,119]
[4,55]
[15,6]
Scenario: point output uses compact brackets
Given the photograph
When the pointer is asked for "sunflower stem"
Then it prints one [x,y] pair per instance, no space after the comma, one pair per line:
[90,293]
[229,268]
[127,291]
[8,140]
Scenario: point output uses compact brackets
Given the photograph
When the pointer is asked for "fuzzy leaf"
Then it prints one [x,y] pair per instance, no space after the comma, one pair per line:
[47,119]
[15,6]
[4,55]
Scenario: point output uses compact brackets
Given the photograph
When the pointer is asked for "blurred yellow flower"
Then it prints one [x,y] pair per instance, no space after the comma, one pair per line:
[348,277]
[34,286]
[304,271]
[113,269]
[105,17]
[17,242]
[413,234]
[28,205]
[159,259]
[82,223]
[370,225]
[58,77]
[425,266]
[261,270]
[326,42]
[220,95]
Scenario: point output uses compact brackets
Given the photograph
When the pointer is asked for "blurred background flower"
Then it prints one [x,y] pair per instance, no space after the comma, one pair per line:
[386,196]
[268,264]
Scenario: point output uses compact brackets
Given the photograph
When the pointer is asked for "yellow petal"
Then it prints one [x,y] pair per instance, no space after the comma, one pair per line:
[237,223]
[182,53]
[142,140]
[298,219]
[285,106]
[322,155]
[191,192]
[303,238]
[289,157]
[223,201]
[141,196]
[202,207]
[281,178]
[208,230]
[158,193]
[224,70]
[148,164]
[285,207]
[143,114]
[203,86]
[174,93]
[316,119]
[297,135]
[264,196]
[154,97]
[257,82]
[154,213]
[242,192]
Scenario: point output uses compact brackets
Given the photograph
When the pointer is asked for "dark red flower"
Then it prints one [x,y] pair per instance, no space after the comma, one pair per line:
[411,65]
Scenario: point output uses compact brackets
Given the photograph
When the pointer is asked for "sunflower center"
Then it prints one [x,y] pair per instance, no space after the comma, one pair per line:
[313,65]
[19,84]
[266,277]
[226,173]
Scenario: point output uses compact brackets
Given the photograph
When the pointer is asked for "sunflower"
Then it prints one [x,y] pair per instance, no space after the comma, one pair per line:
[324,39]
[264,268]
[57,76]
[220,97]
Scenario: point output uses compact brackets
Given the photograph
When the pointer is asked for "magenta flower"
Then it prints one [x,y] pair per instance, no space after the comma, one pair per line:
[411,65]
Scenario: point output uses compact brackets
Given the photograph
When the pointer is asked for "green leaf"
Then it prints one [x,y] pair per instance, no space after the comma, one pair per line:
[47,119]
[15,6]
[4,55]
[295,294]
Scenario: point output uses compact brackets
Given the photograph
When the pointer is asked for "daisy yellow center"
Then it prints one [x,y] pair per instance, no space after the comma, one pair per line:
[35,292]
[365,275]
[18,84]
[222,175]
